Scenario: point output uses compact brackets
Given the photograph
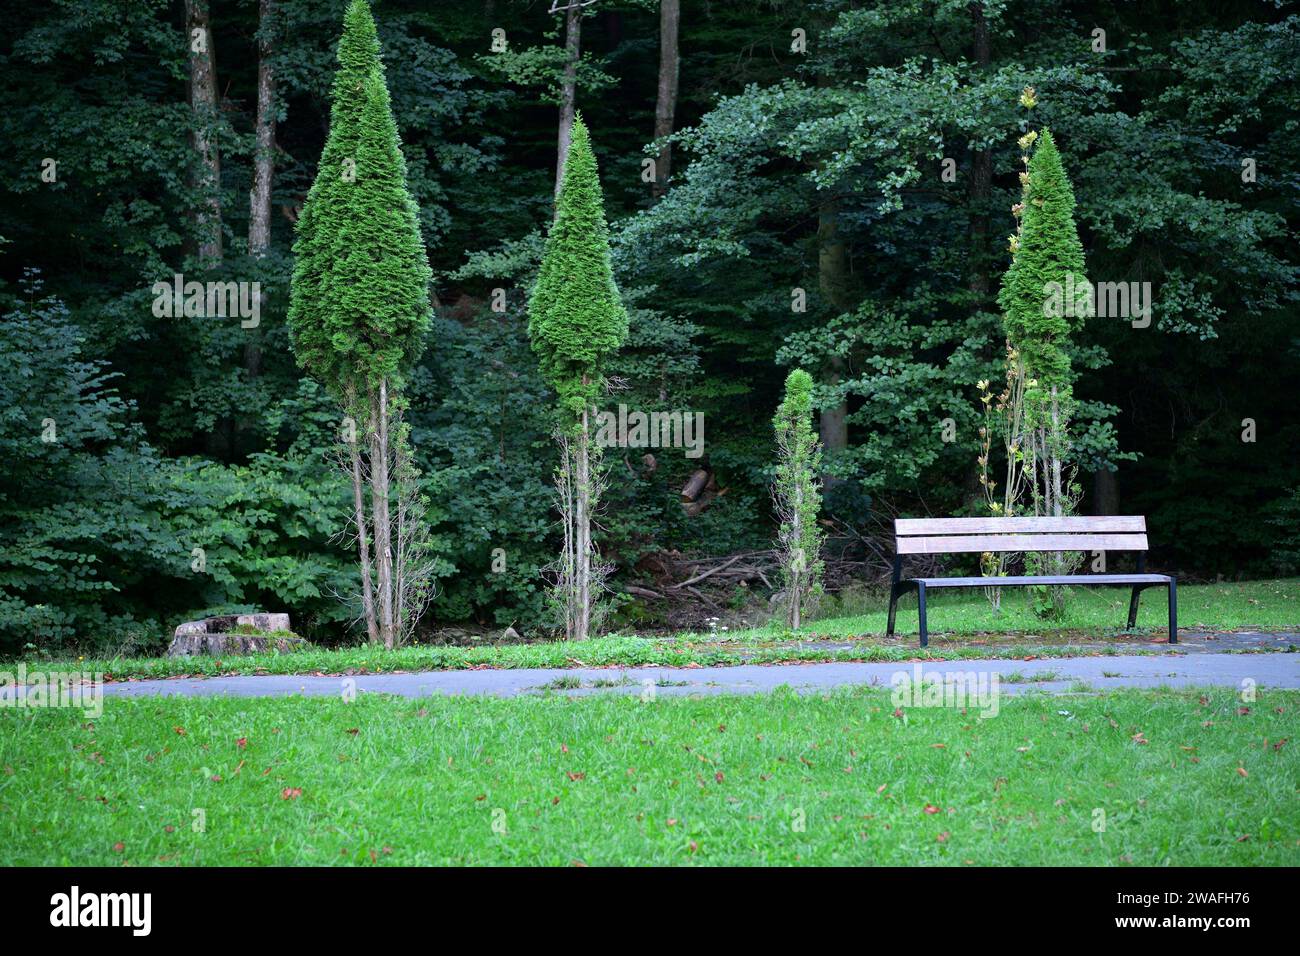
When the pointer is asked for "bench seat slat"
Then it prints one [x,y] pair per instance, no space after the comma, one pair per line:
[977,543]
[1021,580]
[1078,524]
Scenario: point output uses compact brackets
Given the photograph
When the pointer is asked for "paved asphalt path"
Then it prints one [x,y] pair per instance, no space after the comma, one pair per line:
[1056,675]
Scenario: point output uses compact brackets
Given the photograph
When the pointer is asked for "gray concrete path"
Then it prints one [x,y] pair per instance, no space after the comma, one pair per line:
[1057,675]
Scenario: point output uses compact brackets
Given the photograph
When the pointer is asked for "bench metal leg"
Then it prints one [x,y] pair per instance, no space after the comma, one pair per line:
[920,601]
[1133,608]
[895,590]
[1173,611]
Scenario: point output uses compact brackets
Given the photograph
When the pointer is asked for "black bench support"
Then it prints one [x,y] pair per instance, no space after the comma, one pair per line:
[898,586]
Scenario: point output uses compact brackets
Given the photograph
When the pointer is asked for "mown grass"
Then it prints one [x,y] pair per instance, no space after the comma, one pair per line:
[1175,777]
[1102,611]
[963,627]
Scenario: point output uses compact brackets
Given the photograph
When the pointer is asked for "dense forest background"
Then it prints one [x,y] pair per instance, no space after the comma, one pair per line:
[159,468]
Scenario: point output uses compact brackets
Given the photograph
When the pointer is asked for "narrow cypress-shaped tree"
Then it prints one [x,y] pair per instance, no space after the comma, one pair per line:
[313,330]
[1046,266]
[359,308]
[1045,296]
[796,494]
[576,321]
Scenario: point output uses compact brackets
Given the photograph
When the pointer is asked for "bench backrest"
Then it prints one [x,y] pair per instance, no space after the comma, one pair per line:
[977,535]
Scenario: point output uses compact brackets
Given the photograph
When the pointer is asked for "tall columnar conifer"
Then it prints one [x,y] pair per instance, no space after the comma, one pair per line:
[576,321]
[359,305]
[359,308]
[1048,251]
[1045,296]
[576,317]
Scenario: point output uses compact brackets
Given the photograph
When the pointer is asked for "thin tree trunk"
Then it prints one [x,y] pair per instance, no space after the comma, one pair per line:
[1105,492]
[203,102]
[981,180]
[798,559]
[363,546]
[977,205]
[259,203]
[569,568]
[666,101]
[379,509]
[568,91]
[832,279]
[583,478]
[1057,506]
[259,214]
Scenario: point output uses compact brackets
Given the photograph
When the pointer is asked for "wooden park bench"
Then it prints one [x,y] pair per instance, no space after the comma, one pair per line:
[978,535]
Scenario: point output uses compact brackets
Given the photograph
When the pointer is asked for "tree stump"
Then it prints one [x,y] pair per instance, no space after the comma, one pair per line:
[235,635]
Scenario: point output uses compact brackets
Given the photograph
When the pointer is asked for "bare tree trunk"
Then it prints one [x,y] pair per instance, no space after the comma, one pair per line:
[1055,451]
[568,91]
[259,203]
[363,545]
[583,478]
[831,278]
[379,509]
[567,571]
[981,180]
[796,579]
[203,102]
[666,101]
[1105,492]
[977,201]
[259,213]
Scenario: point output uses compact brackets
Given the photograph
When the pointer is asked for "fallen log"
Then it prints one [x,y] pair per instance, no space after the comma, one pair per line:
[698,481]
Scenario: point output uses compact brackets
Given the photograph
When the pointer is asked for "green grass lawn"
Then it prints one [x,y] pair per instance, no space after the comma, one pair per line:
[962,626]
[1180,778]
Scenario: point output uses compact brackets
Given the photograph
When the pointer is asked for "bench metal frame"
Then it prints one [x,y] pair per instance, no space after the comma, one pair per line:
[980,535]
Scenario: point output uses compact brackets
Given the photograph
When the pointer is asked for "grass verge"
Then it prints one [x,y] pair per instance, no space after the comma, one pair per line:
[597,652]
[1128,777]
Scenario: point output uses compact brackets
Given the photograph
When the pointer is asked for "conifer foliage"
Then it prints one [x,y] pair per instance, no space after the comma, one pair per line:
[1048,254]
[576,317]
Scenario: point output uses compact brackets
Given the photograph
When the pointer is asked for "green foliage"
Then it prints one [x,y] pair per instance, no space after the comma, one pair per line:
[798,498]
[576,318]
[360,308]
[481,433]
[1154,134]
[1048,256]
[100,531]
